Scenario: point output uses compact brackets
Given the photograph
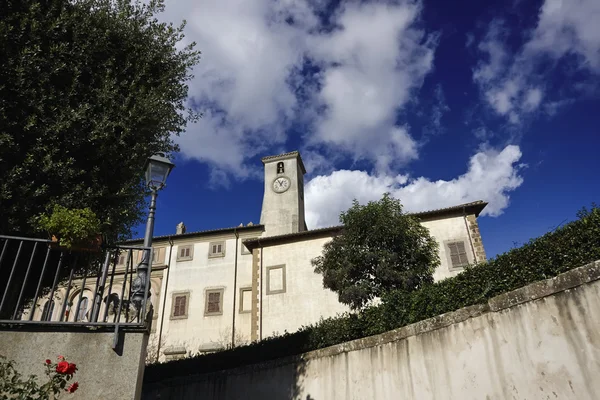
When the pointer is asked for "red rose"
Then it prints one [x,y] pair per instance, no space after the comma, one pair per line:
[48,362]
[72,368]
[73,387]
[61,358]
[62,367]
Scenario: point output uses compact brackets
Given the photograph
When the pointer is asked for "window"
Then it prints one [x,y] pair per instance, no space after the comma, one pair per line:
[245,249]
[80,315]
[158,255]
[458,254]
[245,300]
[47,311]
[185,253]
[179,307]
[216,249]
[276,279]
[122,258]
[214,302]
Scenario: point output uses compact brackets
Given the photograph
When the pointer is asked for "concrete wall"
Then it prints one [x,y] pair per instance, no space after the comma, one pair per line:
[538,342]
[102,374]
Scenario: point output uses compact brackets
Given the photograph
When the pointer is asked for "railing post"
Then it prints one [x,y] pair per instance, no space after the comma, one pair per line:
[100,289]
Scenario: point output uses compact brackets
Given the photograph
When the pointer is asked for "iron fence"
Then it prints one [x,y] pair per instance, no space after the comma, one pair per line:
[42,284]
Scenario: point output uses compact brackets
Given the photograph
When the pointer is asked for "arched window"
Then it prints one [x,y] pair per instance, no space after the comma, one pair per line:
[280,169]
[81,310]
[48,310]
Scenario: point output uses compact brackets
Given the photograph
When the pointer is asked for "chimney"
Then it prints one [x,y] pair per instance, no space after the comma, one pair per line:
[180,228]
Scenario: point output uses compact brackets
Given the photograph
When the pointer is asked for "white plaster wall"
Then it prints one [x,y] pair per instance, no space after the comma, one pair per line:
[196,276]
[305,300]
[446,229]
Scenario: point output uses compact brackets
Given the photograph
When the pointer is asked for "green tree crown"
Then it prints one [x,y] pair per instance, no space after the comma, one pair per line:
[88,90]
[381,248]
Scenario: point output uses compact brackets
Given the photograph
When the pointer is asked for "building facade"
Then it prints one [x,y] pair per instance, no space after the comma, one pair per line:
[226,287]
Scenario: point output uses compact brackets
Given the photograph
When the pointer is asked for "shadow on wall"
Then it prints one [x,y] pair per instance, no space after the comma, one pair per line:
[255,382]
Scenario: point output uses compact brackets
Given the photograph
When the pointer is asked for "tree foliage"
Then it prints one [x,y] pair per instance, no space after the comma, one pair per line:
[88,90]
[380,249]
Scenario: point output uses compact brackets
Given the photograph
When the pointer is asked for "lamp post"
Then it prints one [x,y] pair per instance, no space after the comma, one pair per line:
[157,170]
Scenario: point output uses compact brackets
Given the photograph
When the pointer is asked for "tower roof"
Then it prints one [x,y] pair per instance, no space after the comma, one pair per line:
[285,156]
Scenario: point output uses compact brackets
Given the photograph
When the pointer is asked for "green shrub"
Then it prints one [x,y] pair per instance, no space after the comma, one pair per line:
[568,247]
[70,226]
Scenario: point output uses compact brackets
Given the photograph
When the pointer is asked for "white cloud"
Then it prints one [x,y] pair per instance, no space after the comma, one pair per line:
[247,83]
[491,176]
[248,51]
[371,65]
[512,85]
[568,27]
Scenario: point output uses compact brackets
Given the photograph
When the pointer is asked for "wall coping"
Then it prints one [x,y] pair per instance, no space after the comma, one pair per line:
[535,291]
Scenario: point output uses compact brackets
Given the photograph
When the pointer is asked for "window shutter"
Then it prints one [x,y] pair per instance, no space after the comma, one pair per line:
[458,254]
[179,308]
[214,300]
[462,253]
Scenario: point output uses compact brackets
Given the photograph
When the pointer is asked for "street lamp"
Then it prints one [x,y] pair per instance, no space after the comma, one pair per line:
[157,169]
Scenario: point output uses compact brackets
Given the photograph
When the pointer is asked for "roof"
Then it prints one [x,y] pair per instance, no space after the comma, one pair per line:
[475,207]
[203,233]
[468,208]
[285,156]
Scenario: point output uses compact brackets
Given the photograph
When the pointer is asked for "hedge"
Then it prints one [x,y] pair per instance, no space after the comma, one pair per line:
[570,246]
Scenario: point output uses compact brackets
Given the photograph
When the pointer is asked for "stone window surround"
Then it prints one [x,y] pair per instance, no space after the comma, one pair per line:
[207,292]
[187,304]
[216,255]
[242,290]
[184,246]
[268,270]
[467,250]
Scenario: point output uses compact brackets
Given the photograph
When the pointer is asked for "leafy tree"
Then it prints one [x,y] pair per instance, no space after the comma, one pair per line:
[380,249]
[88,90]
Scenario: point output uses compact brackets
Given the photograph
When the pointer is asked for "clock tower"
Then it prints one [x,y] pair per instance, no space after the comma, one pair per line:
[283,201]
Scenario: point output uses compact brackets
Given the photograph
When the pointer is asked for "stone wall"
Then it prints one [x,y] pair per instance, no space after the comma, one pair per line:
[538,342]
[103,373]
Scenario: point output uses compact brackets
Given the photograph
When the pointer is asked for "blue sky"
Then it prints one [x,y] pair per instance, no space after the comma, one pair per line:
[437,102]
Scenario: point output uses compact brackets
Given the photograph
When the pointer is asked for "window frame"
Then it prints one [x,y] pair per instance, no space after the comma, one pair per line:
[79,317]
[47,313]
[448,249]
[241,307]
[207,293]
[284,286]
[190,257]
[216,243]
[160,251]
[174,296]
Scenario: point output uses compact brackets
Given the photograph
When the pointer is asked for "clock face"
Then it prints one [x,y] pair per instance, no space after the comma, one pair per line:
[281,184]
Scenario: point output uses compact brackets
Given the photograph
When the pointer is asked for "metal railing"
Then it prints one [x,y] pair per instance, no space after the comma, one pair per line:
[42,284]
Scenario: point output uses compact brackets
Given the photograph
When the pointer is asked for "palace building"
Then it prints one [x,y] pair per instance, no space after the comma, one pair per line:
[226,287]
